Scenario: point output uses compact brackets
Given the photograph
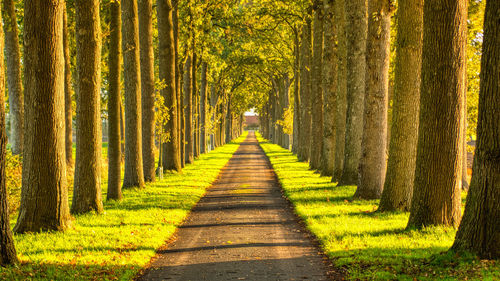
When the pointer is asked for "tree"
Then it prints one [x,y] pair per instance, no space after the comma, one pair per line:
[44,169]
[356,27]
[133,137]
[68,91]
[114,103]
[14,80]
[398,186]
[8,253]
[479,231]
[171,157]
[341,92]
[372,164]
[147,87]
[87,184]
[317,93]
[437,185]
[329,89]
[188,109]
[305,91]
[203,106]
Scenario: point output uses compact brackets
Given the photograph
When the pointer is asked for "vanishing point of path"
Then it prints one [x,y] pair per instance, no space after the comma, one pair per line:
[243,229]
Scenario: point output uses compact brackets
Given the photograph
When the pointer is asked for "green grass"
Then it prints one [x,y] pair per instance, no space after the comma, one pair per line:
[368,244]
[118,243]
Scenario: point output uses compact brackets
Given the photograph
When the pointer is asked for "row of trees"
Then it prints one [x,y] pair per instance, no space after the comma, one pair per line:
[342,74]
[141,66]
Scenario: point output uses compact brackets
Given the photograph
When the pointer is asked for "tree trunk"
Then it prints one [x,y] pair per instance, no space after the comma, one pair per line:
[305,92]
[134,176]
[372,164]
[398,187]
[188,105]
[341,92]
[178,75]
[44,163]
[8,253]
[437,185]
[297,127]
[356,28]
[14,80]
[68,92]
[147,88]
[203,106]
[87,184]
[317,92]
[114,103]
[329,89]
[479,231]
[196,136]
[171,157]
[122,116]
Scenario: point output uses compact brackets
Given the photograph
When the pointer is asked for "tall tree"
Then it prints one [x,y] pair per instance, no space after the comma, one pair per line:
[317,91]
[8,253]
[196,139]
[437,185]
[87,184]
[305,91]
[68,91]
[44,164]
[171,157]
[398,186]
[114,103]
[203,106]
[341,93]
[147,88]
[297,125]
[329,89]
[356,28]
[178,75]
[372,164]
[188,109]
[14,80]
[479,231]
[134,175]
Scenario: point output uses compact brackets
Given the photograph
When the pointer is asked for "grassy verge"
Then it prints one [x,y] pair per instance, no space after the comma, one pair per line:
[118,243]
[369,244]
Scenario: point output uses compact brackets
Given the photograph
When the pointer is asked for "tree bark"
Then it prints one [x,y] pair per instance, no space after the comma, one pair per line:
[44,163]
[305,92]
[372,164]
[147,88]
[114,103]
[134,175]
[14,80]
[171,157]
[398,186]
[356,28]
[329,89]
[68,92]
[317,91]
[8,253]
[479,231]
[195,112]
[203,106]
[188,105]
[437,185]
[178,75]
[87,184]
[341,92]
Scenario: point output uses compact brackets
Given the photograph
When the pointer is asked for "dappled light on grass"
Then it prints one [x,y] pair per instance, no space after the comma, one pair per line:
[369,244]
[118,243]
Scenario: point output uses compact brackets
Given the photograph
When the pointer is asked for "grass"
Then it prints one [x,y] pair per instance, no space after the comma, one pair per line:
[115,245]
[370,245]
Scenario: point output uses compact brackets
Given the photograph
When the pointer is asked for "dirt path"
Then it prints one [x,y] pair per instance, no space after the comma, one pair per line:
[243,229]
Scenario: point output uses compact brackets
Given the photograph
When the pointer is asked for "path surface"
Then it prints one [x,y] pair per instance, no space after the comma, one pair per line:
[241,230]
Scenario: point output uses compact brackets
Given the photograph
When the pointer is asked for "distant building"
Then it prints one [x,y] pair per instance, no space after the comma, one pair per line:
[251,122]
